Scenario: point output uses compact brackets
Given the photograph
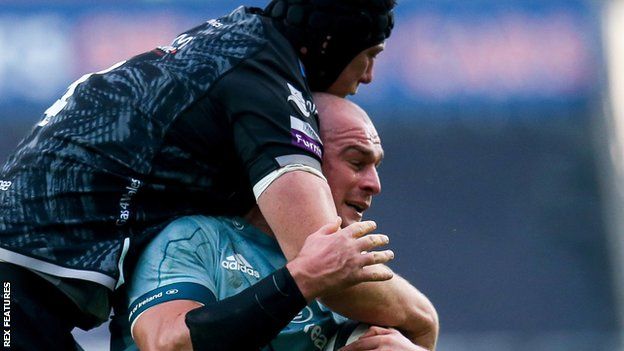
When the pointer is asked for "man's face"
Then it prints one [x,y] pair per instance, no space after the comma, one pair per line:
[359,70]
[351,156]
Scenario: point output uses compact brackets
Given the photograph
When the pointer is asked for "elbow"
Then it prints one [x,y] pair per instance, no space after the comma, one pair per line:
[433,322]
[425,323]
[427,315]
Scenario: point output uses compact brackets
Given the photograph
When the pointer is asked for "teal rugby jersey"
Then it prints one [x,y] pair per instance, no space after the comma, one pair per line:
[211,258]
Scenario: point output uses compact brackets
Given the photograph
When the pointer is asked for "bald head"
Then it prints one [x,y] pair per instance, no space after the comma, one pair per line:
[338,114]
[352,152]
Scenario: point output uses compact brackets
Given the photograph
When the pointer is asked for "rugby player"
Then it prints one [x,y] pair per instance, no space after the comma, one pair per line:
[206,125]
[202,261]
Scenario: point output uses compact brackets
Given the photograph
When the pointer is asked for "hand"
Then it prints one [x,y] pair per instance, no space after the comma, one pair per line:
[381,339]
[333,259]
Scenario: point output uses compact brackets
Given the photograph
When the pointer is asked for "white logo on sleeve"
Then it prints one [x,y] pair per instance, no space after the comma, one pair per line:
[5,185]
[215,23]
[237,262]
[305,315]
[305,128]
[304,106]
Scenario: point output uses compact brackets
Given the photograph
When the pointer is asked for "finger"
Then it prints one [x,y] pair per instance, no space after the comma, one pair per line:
[371,241]
[359,229]
[374,330]
[371,331]
[331,228]
[376,257]
[374,274]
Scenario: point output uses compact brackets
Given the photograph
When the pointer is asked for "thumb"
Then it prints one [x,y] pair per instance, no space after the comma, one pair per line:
[331,228]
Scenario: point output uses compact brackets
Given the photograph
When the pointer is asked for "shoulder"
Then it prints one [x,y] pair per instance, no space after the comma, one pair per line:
[193,230]
[220,43]
[189,225]
[274,61]
[183,252]
[183,239]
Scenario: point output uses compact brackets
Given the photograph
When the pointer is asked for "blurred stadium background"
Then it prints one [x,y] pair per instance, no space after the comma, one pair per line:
[503,124]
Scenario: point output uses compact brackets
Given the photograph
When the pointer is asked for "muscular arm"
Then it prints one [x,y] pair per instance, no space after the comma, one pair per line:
[298,203]
[162,327]
[295,205]
[393,303]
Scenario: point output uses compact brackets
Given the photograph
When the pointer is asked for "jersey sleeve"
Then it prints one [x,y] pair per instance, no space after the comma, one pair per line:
[273,118]
[179,264]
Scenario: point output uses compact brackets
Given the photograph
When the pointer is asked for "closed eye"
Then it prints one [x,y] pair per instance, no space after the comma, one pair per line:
[356,163]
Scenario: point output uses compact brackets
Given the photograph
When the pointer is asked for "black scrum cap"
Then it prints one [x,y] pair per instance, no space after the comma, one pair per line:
[332,32]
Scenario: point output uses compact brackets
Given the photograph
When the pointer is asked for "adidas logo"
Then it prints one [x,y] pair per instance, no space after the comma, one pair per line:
[237,262]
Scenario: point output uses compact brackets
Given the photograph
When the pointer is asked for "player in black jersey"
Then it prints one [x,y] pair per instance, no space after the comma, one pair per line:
[220,119]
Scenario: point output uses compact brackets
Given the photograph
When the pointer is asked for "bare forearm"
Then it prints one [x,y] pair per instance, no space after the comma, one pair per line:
[296,205]
[163,328]
[393,303]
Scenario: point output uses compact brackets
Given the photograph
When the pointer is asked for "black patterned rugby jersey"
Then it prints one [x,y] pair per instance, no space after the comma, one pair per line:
[183,129]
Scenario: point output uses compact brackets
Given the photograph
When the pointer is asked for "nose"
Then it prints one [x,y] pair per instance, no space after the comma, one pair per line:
[368,74]
[370,182]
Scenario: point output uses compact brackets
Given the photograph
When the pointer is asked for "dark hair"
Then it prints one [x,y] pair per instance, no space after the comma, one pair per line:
[332,32]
